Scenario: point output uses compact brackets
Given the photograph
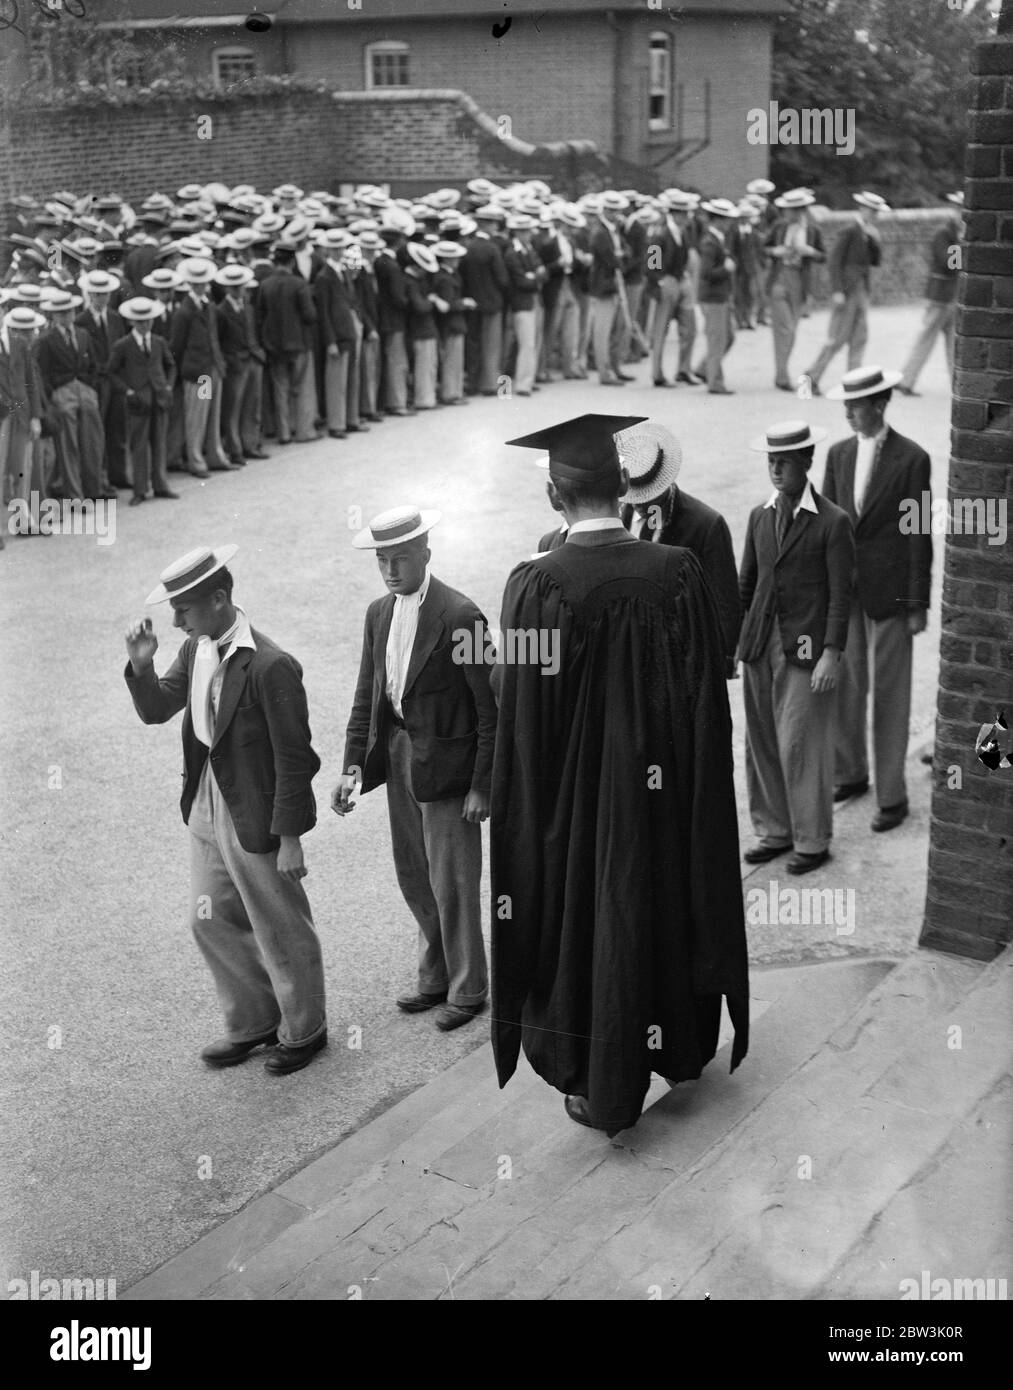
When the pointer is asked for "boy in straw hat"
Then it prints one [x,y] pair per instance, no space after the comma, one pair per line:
[247,800]
[423,722]
[871,476]
[141,373]
[856,250]
[940,295]
[795,583]
[20,405]
[67,367]
[193,342]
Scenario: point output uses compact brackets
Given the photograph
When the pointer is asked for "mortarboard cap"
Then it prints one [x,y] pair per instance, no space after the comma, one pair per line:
[582,450]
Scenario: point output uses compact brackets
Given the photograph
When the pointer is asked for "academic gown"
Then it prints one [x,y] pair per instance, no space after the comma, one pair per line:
[617,918]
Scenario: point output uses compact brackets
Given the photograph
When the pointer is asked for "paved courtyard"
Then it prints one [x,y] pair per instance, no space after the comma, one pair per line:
[119,1148]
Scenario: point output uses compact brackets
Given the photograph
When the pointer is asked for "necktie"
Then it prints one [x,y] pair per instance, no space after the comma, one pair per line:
[784,510]
[146,344]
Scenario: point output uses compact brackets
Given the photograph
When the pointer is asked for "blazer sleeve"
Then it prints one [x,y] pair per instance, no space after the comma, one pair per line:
[477,674]
[178,332]
[357,732]
[749,569]
[168,361]
[829,488]
[307,309]
[157,700]
[283,701]
[117,361]
[719,567]
[920,547]
[840,577]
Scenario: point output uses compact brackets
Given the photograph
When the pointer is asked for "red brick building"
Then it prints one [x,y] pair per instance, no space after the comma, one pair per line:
[663,89]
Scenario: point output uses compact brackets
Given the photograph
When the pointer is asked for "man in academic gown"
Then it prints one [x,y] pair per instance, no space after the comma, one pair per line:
[617,921]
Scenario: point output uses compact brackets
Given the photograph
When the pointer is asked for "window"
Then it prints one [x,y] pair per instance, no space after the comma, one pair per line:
[386,65]
[659,83]
[232,65]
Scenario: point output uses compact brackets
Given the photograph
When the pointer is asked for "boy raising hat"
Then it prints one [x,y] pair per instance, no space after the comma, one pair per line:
[424,722]
[247,799]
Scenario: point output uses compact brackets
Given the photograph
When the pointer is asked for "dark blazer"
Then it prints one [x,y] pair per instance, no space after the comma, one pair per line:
[806,588]
[715,279]
[366,304]
[102,338]
[449,710]
[149,376]
[20,384]
[335,309]
[942,282]
[449,286]
[776,236]
[262,755]
[193,339]
[688,522]
[392,294]
[139,262]
[851,255]
[602,280]
[665,255]
[526,273]
[552,540]
[286,313]
[893,570]
[237,334]
[59,363]
[484,275]
[421,310]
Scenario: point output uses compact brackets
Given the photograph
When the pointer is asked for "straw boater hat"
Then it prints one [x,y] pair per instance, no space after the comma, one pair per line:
[24,319]
[196,270]
[449,250]
[141,310]
[287,193]
[186,573]
[423,257]
[763,186]
[795,198]
[675,200]
[652,456]
[720,207]
[871,200]
[234,277]
[162,279]
[789,434]
[59,301]
[864,381]
[394,527]
[99,282]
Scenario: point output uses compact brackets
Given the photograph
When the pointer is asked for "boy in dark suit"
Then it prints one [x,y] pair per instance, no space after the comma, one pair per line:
[244,362]
[856,250]
[795,583]
[141,373]
[193,342]
[67,367]
[105,327]
[247,799]
[424,722]
[716,280]
[485,278]
[656,509]
[20,405]
[286,316]
[870,476]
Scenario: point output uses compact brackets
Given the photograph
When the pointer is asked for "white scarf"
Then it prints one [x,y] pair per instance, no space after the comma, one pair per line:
[205,664]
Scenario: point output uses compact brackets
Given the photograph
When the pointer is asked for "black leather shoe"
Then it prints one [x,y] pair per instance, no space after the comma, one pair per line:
[228,1054]
[136,501]
[660,381]
[625,376]
[720,391]
[887,817]
[846,789]
[338,434]
[258,454]
[358,429]
[805,863]
[760,854]
[168,492]
[576,1108]
[285,1059]
[456,1015]
[418,1003]
[690,378]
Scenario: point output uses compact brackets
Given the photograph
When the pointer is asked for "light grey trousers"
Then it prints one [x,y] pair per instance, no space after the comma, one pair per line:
[254,930]
[438,862]
[877,654]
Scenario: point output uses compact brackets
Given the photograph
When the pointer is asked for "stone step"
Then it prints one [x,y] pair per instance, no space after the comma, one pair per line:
[780,1201]
[414,1206]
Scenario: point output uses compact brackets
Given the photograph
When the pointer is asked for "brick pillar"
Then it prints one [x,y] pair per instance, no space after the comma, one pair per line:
[969,903]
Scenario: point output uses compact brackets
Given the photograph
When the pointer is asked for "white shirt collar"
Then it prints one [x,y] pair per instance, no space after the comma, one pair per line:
[806,502]
[597,523]
[140,333]
[418,598]
[239,633]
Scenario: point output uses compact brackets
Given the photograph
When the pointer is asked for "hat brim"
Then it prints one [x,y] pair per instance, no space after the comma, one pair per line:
[841,393]
[365,539]
[816,435]
[223,554]
[666,475]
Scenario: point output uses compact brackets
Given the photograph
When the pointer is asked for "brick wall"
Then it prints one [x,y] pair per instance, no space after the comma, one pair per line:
[969,903]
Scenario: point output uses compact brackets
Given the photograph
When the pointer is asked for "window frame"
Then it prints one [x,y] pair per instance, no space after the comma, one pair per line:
[392,48]
[232,51]
[660,43]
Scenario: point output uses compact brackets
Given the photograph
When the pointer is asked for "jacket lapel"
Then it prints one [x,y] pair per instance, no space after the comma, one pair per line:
[427,633]
[795,530]
[232,687]
[380,643]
